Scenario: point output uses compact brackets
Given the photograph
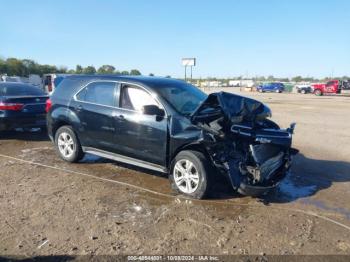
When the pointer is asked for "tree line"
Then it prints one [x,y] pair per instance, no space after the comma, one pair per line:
[25,67]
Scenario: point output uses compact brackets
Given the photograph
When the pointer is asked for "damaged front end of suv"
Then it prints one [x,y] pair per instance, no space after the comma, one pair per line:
[253,151]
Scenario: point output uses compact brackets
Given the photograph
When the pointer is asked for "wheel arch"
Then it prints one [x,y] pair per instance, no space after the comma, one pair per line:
[61,117]
[195,146]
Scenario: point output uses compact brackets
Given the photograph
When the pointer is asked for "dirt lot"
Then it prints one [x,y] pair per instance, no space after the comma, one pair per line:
[86,208]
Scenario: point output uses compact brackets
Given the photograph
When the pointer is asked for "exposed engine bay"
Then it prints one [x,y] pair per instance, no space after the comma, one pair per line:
[243,143]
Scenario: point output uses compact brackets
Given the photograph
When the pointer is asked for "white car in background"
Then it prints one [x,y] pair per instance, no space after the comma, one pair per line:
[304,88]
[51,81]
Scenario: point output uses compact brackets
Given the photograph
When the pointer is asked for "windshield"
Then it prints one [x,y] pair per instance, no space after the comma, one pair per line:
[185,98]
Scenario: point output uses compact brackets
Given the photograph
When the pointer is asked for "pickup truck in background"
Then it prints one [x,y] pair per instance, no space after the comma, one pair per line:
[330,87]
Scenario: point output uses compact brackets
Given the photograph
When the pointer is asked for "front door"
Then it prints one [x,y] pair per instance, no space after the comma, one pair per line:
[140,136]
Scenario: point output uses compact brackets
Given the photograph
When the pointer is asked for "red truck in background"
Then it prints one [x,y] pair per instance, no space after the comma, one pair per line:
[330,87]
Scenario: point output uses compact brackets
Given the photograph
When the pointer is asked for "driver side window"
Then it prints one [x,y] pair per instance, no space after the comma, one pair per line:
[134,98]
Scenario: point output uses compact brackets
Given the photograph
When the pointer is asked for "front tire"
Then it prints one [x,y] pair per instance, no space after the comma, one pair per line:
[189,174]
[318,92]
[67,145]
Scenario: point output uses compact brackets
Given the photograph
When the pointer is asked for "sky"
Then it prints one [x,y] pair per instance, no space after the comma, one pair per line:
[228,38]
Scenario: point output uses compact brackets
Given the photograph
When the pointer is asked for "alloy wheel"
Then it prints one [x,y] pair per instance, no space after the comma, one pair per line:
[66,144]
[186,176]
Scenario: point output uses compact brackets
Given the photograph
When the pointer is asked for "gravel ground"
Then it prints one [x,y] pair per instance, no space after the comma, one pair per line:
[79,209]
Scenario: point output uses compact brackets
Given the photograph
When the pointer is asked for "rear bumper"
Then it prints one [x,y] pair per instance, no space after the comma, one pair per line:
[8,123]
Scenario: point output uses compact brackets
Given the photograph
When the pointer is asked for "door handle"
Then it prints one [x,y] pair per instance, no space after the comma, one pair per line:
[79,108]
[119,117]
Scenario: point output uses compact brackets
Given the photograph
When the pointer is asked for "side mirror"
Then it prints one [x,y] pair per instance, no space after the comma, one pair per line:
[152,110]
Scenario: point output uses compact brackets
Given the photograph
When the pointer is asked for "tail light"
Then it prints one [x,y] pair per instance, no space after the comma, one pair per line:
[48,105]
[11,106]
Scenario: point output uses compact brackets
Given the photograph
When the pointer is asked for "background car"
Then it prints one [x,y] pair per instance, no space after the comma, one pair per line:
[21,106]
[51,81]
[304,89]
[32,79]
[271,87]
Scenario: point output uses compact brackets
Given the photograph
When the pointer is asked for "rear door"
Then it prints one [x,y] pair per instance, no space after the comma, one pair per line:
[138,135]
[95,106]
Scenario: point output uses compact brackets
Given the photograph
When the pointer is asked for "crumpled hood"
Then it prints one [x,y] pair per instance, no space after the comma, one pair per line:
[235,108]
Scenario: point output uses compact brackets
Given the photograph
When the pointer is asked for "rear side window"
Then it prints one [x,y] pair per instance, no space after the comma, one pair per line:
[20,90]
[102,93]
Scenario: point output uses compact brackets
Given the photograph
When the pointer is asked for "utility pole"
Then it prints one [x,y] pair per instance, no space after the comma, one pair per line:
[191,74]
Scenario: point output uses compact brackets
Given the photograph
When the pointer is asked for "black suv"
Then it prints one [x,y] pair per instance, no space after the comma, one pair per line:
[170,126]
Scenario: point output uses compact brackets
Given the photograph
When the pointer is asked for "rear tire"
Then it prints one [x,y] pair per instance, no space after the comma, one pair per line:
[67,145]
[303,92]
[189,174]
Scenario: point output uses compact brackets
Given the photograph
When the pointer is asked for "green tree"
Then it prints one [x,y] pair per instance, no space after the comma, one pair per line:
[106,69]
[31,67]
[151,74]
[124,72]
[297,79]
[3,66]
[47,69]
[62,70]
[78,69]
[90,70]
[15,67]
[135,72]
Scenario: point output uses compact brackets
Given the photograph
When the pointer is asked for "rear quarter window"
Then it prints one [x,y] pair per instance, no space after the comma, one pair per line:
[99,92]
[67,88]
